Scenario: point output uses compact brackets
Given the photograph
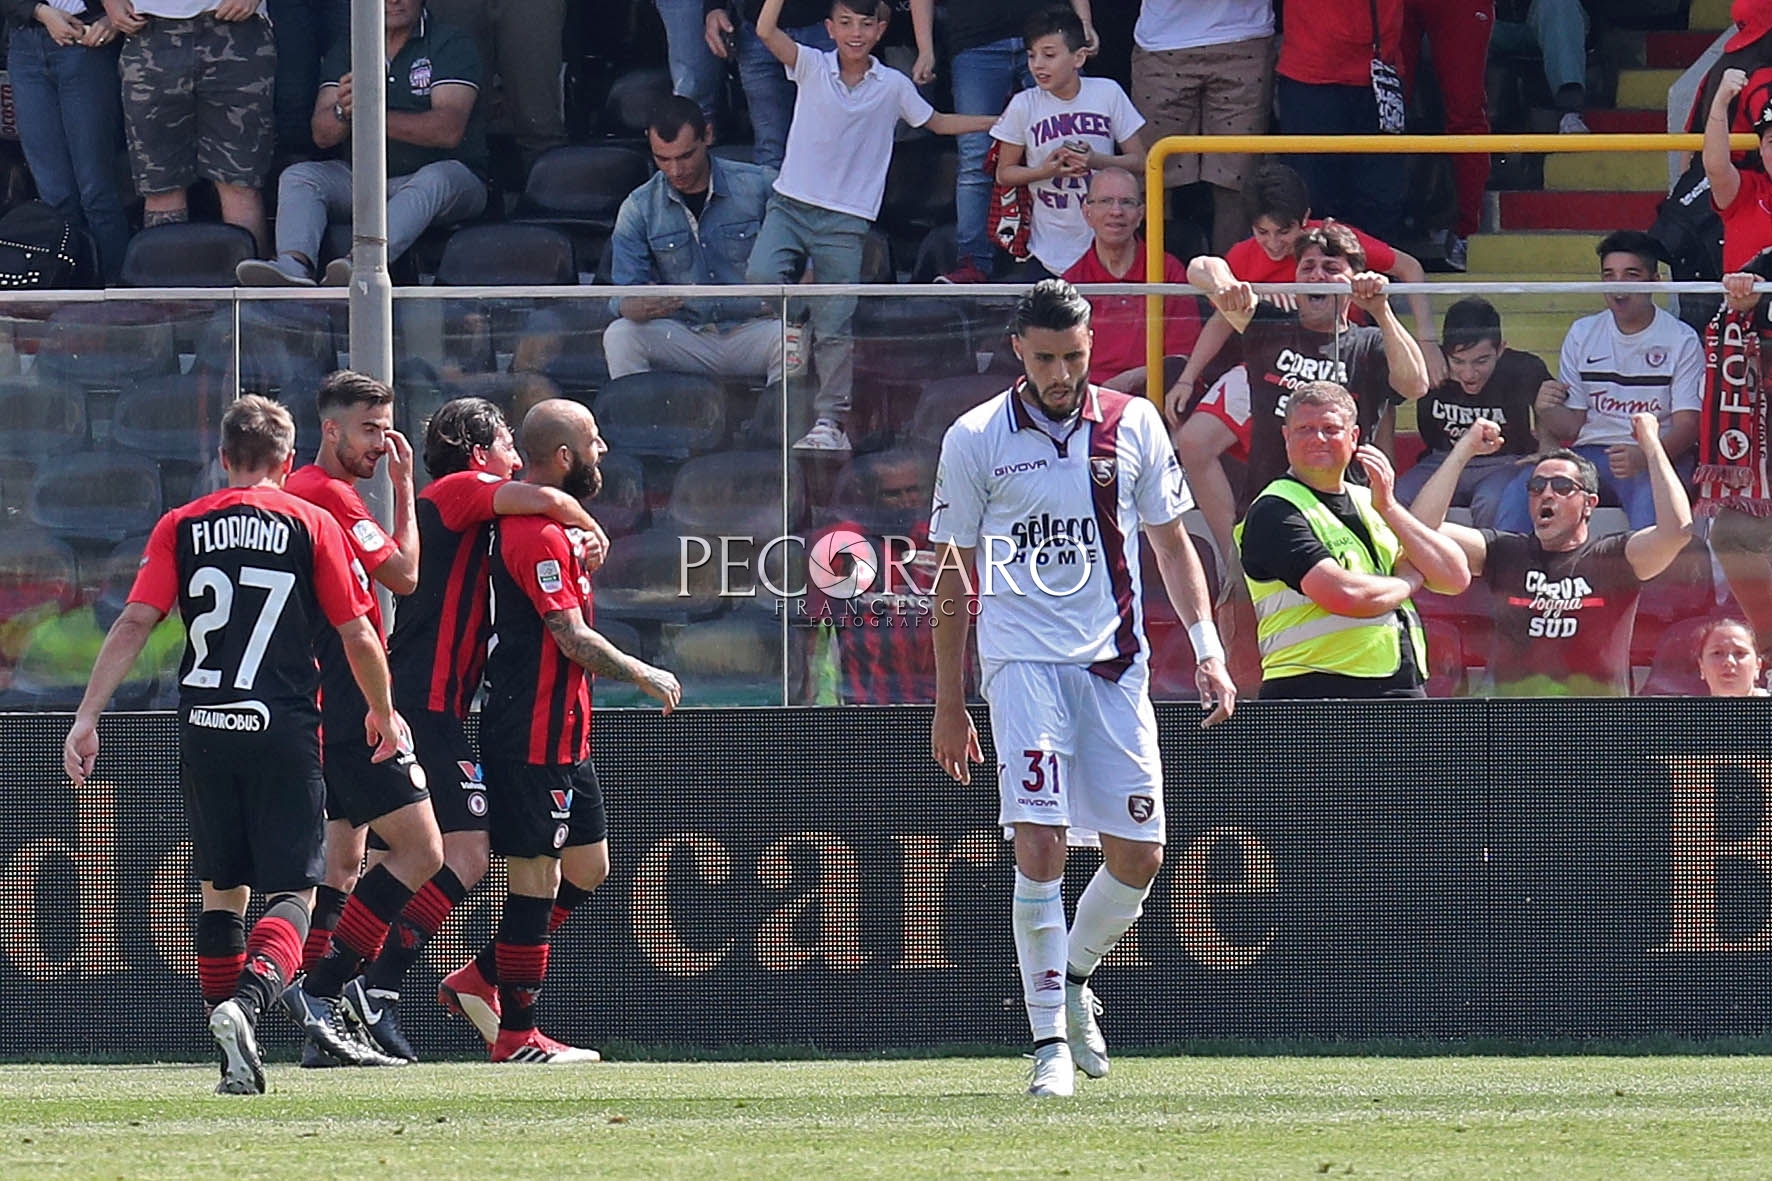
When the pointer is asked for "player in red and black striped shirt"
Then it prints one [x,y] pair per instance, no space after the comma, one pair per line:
[535,728]
[254,573]
[357,429]
[437,652]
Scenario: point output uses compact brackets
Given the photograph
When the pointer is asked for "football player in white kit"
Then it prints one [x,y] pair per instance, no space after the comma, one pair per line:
[1042,491]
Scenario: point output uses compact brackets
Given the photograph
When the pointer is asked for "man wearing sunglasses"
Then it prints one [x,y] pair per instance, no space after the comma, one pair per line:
[1565,603]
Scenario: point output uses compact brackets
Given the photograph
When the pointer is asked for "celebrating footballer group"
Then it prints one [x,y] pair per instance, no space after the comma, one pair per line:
[291,745]
[303,758]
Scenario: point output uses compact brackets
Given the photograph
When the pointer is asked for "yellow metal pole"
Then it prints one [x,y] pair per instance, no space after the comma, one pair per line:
[1175,145]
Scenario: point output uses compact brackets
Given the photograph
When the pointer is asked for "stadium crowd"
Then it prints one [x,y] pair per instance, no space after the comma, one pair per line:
[1340,558]
[776,172]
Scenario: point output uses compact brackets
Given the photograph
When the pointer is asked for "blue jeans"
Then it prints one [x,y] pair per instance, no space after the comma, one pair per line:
[695,71]
[1555,28]
[984,78]
[304,30]
[796,235]
[1482,486]
[1364,191]
[70,123]
[1636,496]
[769,91]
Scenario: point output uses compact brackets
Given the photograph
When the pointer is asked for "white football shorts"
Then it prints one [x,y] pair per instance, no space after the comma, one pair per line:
[1076,750]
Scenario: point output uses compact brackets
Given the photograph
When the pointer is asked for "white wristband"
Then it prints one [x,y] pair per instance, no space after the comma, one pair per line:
[1204,637]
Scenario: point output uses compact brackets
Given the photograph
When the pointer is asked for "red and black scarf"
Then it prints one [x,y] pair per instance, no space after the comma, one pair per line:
[1732,426]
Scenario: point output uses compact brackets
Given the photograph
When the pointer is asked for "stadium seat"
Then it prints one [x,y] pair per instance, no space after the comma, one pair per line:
[16,478]
[581,185]
[187,254]
[507,254]
[733,660]
[567,341]
[937,254]
[919,186]
[280,345]
[946,398]
[105,346]
[674,415]
[630,100]
[38,421]
[96,496]
[175,418]
[900,344]
[649,575]
[621,505]
[1673,672]
[39,575]
[737,493]
[743,153]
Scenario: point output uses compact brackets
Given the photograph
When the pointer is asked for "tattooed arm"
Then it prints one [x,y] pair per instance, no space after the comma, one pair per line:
[597,656]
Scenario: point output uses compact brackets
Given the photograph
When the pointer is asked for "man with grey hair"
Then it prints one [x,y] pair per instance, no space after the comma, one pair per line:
[1114,211]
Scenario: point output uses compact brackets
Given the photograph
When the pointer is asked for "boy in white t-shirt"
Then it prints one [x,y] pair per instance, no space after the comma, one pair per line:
[1056,134]
[832,179]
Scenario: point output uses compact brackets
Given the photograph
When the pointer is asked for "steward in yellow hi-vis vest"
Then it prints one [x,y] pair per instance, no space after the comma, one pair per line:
[1297,636]
[1331,565]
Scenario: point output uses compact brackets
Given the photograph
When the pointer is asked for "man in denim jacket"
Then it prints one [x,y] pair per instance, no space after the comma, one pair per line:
[693,222]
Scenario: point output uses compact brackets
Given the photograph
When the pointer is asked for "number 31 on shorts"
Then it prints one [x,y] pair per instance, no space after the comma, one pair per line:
[1042,771]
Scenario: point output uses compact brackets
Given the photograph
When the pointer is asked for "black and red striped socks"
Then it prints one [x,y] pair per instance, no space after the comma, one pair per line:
[328,905]
[565,902]
[407,936]
[221,954]
[362,927]
[521,954]
[273,953]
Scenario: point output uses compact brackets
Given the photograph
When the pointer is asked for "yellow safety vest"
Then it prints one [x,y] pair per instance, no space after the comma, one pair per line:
[1297,636]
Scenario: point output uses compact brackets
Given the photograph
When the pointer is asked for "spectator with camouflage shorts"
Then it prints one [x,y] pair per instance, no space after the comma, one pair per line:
[436,157]
[197,82]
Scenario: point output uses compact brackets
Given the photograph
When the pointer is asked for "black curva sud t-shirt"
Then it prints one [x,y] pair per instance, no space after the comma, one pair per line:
[1446,411]
[1563,620]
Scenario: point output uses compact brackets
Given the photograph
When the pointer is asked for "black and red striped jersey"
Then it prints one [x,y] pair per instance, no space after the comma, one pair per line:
[438,648]
[255,573]
[538,703]
[342,705]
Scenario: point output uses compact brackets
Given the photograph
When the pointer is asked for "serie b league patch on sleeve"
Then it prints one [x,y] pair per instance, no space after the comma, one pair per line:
[369,535]
[547,576]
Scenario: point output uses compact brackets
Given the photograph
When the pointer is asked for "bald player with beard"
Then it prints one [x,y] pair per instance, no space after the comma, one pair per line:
[546,808]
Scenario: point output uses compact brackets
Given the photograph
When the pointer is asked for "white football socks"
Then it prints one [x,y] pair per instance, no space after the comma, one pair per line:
[1105,912]
[1038,918]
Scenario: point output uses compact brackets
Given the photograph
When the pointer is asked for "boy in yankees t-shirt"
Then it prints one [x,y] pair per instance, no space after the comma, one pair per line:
[1056,133]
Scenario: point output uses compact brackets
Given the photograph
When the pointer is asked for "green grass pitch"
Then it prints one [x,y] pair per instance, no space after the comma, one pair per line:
[1223,1116]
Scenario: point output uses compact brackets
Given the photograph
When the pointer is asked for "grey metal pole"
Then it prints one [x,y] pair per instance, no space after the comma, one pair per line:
[372,292]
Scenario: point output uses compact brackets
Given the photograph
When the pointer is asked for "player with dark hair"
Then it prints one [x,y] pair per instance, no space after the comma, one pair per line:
[1048,484]
[254,572]
[436,652]
[547,818]
[356,429]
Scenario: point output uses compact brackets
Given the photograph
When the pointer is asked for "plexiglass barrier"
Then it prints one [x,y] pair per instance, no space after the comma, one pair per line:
[731,561]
